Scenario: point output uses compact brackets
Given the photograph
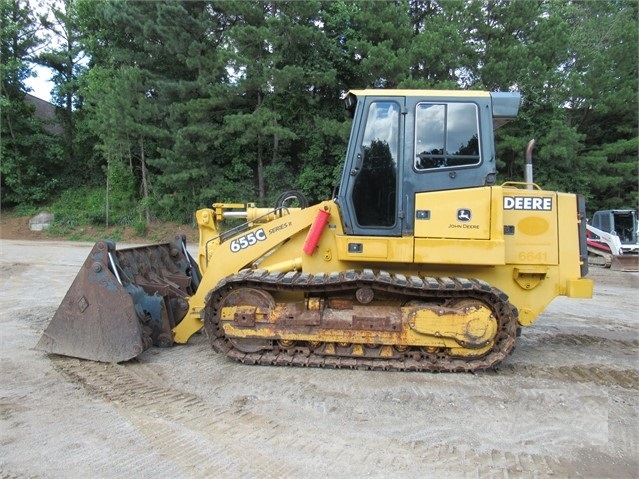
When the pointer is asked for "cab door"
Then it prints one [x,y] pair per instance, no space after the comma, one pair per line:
[371,190]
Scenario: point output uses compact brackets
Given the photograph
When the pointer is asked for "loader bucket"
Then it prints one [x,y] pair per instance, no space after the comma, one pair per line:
[625,262]
[123,302]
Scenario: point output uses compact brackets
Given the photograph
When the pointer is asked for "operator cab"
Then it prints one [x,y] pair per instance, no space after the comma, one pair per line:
[405,142]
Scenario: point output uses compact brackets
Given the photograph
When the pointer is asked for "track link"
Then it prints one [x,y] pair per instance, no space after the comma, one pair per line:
[400,286]
[600,258]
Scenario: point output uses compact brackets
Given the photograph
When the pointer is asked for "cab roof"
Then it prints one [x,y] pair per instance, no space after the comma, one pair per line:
[505,105]
[424,93]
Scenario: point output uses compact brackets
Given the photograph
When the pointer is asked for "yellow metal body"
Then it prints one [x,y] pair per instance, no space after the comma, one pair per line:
[521,241]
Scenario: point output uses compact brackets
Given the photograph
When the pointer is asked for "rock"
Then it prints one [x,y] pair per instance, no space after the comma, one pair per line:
[41,221]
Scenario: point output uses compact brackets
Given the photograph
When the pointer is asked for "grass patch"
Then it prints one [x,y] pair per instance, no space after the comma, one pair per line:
[79,215]
[24,210]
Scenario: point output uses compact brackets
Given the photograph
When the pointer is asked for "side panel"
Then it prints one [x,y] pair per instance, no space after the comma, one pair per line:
[530,227]
[461,227]
[461,214]
[459,252]
[449,147]
[375,248]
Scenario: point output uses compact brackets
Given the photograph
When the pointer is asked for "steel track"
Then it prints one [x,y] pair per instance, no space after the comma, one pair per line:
[407,287]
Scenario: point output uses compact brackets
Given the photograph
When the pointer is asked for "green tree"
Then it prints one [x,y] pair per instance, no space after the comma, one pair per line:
[603,99]
[120,91]
[440,53]
[300,88]
[122,115]
[372,41]
[30,157]
[255,58]
[64,55]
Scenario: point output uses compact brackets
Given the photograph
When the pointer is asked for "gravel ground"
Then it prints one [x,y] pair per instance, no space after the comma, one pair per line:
[565,404]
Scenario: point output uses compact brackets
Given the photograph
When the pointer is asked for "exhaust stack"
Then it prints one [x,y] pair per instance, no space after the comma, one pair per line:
[528,173]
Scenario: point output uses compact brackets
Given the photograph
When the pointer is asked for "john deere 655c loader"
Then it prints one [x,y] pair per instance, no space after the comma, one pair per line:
[421,261]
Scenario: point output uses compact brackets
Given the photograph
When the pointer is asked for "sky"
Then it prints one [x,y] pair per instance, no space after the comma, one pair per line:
[41,85]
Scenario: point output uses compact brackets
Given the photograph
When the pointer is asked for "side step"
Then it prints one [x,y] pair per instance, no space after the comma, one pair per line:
[123,302]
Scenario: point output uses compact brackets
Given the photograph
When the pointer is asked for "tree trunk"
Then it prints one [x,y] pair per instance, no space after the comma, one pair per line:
[107,192]
[276,144]
[260,159]
[260,170]
[145,183]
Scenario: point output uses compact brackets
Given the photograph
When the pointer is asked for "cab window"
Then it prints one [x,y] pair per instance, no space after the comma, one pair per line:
[446,135]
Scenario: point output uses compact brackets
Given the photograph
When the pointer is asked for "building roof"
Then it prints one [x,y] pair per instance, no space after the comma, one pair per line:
[47,112]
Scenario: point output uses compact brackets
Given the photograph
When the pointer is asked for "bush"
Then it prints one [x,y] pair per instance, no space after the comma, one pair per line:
[80,206]
[88,206]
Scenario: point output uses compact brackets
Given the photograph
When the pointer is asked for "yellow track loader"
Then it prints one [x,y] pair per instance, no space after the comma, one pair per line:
[420,262]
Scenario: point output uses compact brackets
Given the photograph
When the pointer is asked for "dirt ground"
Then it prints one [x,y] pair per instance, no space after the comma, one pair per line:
[564,404]
[17,227]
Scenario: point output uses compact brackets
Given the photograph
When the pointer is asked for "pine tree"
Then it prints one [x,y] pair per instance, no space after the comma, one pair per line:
[63,54]
[603,99]
[30,156]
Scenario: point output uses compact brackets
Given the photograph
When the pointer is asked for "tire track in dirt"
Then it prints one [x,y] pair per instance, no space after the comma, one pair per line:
[623,415]
[10,475]
[370,410]
[596,374]
[185,429]
[451,461]
[178,424]
[581,340]
[618,341]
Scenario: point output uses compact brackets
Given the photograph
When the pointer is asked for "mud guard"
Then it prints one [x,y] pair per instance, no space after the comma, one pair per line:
[123,302]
